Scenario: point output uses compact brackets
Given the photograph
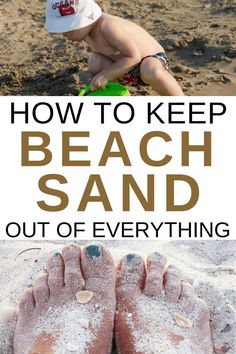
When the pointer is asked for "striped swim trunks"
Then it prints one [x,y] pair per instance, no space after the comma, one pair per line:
[133,78]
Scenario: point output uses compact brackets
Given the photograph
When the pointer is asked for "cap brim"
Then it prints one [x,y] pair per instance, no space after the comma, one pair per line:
[72,22]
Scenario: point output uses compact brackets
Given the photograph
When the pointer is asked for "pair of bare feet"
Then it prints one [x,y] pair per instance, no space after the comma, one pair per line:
[148,307]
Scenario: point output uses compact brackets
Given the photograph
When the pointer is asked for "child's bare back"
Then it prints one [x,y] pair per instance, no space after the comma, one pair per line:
[106,39]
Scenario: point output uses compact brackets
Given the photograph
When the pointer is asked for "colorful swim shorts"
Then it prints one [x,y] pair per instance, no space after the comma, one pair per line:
[133,78]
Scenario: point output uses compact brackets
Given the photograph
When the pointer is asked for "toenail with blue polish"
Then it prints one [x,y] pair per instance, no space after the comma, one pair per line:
[131,257]
[159,258]
[156,255]
[57,254]
[93,251]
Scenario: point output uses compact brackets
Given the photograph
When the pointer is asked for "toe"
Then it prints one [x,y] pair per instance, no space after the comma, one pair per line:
[55,269]
[154,279]
[41,290]
[201,311]
[26,304]
[131,274]
[98,270]
[187,296]
[73,276]
[172,283]
[187,290]
[202,321]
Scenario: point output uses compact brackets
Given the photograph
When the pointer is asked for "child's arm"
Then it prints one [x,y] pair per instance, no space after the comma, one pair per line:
[129,52]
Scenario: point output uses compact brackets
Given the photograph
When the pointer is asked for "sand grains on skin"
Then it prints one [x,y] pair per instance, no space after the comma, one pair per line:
[159,340]
[51,320]
[74,325]
[147,304]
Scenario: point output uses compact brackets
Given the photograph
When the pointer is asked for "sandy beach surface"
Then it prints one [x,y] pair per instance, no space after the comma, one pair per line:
[210,266]
[199,37]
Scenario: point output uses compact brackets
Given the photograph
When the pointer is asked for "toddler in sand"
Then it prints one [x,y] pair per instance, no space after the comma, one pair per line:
[120,48]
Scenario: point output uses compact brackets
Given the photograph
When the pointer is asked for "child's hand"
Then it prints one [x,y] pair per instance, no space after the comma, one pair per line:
[98,82]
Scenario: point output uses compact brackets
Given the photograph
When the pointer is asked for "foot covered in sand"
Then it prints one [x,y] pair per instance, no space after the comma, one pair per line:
[157,312]
[56,315]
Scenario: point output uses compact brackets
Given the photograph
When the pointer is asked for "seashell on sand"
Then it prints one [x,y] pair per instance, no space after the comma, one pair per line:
[84,323]
[71,349]
[182,321]
[6,314]
[84,296]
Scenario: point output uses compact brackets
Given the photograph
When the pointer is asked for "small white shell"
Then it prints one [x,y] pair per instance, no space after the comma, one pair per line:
[72,347]
[6,314]
[182,321]
[84,323]
[84,296]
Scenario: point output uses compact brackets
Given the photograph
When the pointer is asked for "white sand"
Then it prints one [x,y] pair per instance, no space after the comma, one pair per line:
[70,316]
[210,265]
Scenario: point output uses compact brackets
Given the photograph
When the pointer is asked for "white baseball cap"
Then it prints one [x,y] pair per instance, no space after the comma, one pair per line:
[68,15]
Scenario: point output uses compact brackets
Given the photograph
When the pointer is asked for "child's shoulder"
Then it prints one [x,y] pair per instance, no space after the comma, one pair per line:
[108,22]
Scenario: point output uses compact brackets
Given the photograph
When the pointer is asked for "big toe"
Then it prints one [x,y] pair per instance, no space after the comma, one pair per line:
[98,270]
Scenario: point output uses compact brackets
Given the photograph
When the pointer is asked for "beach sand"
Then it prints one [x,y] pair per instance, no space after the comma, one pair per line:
[209,265]
[199,37]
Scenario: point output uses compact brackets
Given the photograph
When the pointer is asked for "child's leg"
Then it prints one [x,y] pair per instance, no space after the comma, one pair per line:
[98,62]
[153,73]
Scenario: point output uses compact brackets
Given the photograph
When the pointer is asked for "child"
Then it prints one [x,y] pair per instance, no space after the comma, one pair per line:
[120,48]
